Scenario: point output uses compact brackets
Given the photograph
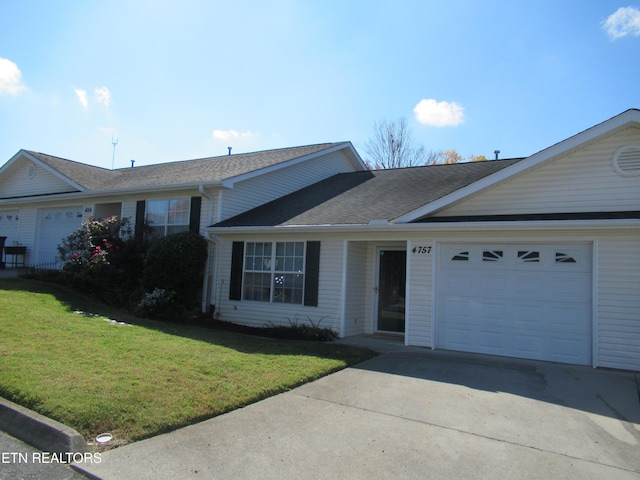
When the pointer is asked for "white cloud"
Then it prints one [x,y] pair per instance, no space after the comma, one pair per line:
[438,114]
[10,77]
[103,96]
[82,97]
[231,134]
[625,21]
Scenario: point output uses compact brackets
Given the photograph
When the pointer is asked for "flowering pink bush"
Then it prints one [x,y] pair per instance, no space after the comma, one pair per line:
[95,243]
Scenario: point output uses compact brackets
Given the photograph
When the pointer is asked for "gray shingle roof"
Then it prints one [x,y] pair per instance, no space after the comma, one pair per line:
[186,172]
[359,197]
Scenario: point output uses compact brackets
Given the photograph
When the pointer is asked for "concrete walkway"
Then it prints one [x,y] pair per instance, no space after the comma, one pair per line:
[412,413]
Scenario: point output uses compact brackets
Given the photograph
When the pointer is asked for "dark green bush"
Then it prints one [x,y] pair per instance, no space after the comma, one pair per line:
[175,264]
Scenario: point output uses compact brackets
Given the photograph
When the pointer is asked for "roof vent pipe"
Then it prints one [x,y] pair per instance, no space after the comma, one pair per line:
[229,148]
[132,162]
[496,152]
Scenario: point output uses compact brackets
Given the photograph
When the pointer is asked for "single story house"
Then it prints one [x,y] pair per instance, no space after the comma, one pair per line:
[45,198]
[534,258]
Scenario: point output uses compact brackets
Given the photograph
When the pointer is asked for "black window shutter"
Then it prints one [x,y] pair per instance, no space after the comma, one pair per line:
[194,215]
[141,206]
[237,259]
[312,274]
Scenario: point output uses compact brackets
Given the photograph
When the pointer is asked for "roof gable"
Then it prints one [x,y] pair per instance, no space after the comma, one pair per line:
[611,127]
[27,175]
[582,180]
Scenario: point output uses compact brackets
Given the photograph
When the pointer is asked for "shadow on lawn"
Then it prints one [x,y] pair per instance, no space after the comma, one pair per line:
[243,339]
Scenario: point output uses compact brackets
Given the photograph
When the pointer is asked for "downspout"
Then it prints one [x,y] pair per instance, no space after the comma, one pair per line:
[206,294]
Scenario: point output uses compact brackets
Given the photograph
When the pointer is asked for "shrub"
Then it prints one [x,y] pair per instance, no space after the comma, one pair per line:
[102,258]
[95,244]
[175,264]
[155,302]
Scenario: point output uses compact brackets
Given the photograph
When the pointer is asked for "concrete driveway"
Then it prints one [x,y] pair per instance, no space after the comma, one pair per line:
[413,413]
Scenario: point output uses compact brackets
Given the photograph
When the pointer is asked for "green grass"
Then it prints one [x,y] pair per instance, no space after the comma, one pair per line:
[143,378]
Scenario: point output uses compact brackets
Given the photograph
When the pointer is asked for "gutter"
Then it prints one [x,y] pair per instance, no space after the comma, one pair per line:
[553,225]
[206,297]
[91,194]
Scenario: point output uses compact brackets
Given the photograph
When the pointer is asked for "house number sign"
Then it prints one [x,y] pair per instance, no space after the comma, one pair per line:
[421,250]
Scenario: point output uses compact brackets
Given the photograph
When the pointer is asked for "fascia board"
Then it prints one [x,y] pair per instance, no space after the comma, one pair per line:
[628,118]
[156,188]
[96,194]
[538,225]
[11,161]
[230,182]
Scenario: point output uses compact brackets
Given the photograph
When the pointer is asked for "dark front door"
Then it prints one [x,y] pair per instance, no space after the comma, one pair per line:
[391,290]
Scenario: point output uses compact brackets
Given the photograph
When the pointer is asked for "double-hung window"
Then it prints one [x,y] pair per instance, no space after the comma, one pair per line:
[167,216]
[276,272]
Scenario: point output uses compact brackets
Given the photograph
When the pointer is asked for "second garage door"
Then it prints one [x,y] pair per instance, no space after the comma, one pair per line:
[527,301]
[55,225]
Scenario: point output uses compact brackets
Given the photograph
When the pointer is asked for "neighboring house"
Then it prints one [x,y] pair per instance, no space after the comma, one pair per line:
[535,258]
[44,198]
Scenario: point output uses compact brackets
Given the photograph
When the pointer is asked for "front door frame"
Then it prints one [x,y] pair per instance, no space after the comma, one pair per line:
[376,289]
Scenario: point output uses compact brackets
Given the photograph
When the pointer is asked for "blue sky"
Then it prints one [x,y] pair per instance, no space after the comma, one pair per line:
[174,80]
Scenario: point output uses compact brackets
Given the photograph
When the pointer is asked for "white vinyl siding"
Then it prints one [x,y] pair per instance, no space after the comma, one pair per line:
[356,311]
[583,181]
[20,184]
[420,291]
[619,300]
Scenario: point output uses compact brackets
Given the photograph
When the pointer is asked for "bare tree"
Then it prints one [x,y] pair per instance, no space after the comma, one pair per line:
[392,146]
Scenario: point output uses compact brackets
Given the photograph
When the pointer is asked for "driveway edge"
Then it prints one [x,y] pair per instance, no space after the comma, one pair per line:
[39,431]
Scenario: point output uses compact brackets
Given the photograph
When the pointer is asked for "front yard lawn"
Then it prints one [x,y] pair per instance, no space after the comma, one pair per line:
[62,357]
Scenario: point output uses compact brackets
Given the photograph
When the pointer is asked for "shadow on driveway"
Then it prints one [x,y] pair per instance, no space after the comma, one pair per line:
[611,393]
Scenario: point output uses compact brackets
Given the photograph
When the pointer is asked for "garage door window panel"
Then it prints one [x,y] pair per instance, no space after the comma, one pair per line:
[528,256]
[461,257]
[564,258]
[492,255]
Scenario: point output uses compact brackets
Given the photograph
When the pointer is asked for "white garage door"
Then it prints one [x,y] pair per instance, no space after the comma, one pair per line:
[56,224]
[527,301]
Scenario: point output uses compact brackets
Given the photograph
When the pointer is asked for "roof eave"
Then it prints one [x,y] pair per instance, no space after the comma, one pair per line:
[93,194]
[537,225]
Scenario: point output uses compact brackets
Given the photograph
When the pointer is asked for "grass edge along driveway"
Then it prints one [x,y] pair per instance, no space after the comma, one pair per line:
[97,369]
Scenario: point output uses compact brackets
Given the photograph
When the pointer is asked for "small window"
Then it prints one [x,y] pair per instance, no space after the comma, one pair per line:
[492,255]
[564,258]
[461,257]
[626,160]
[529,256]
